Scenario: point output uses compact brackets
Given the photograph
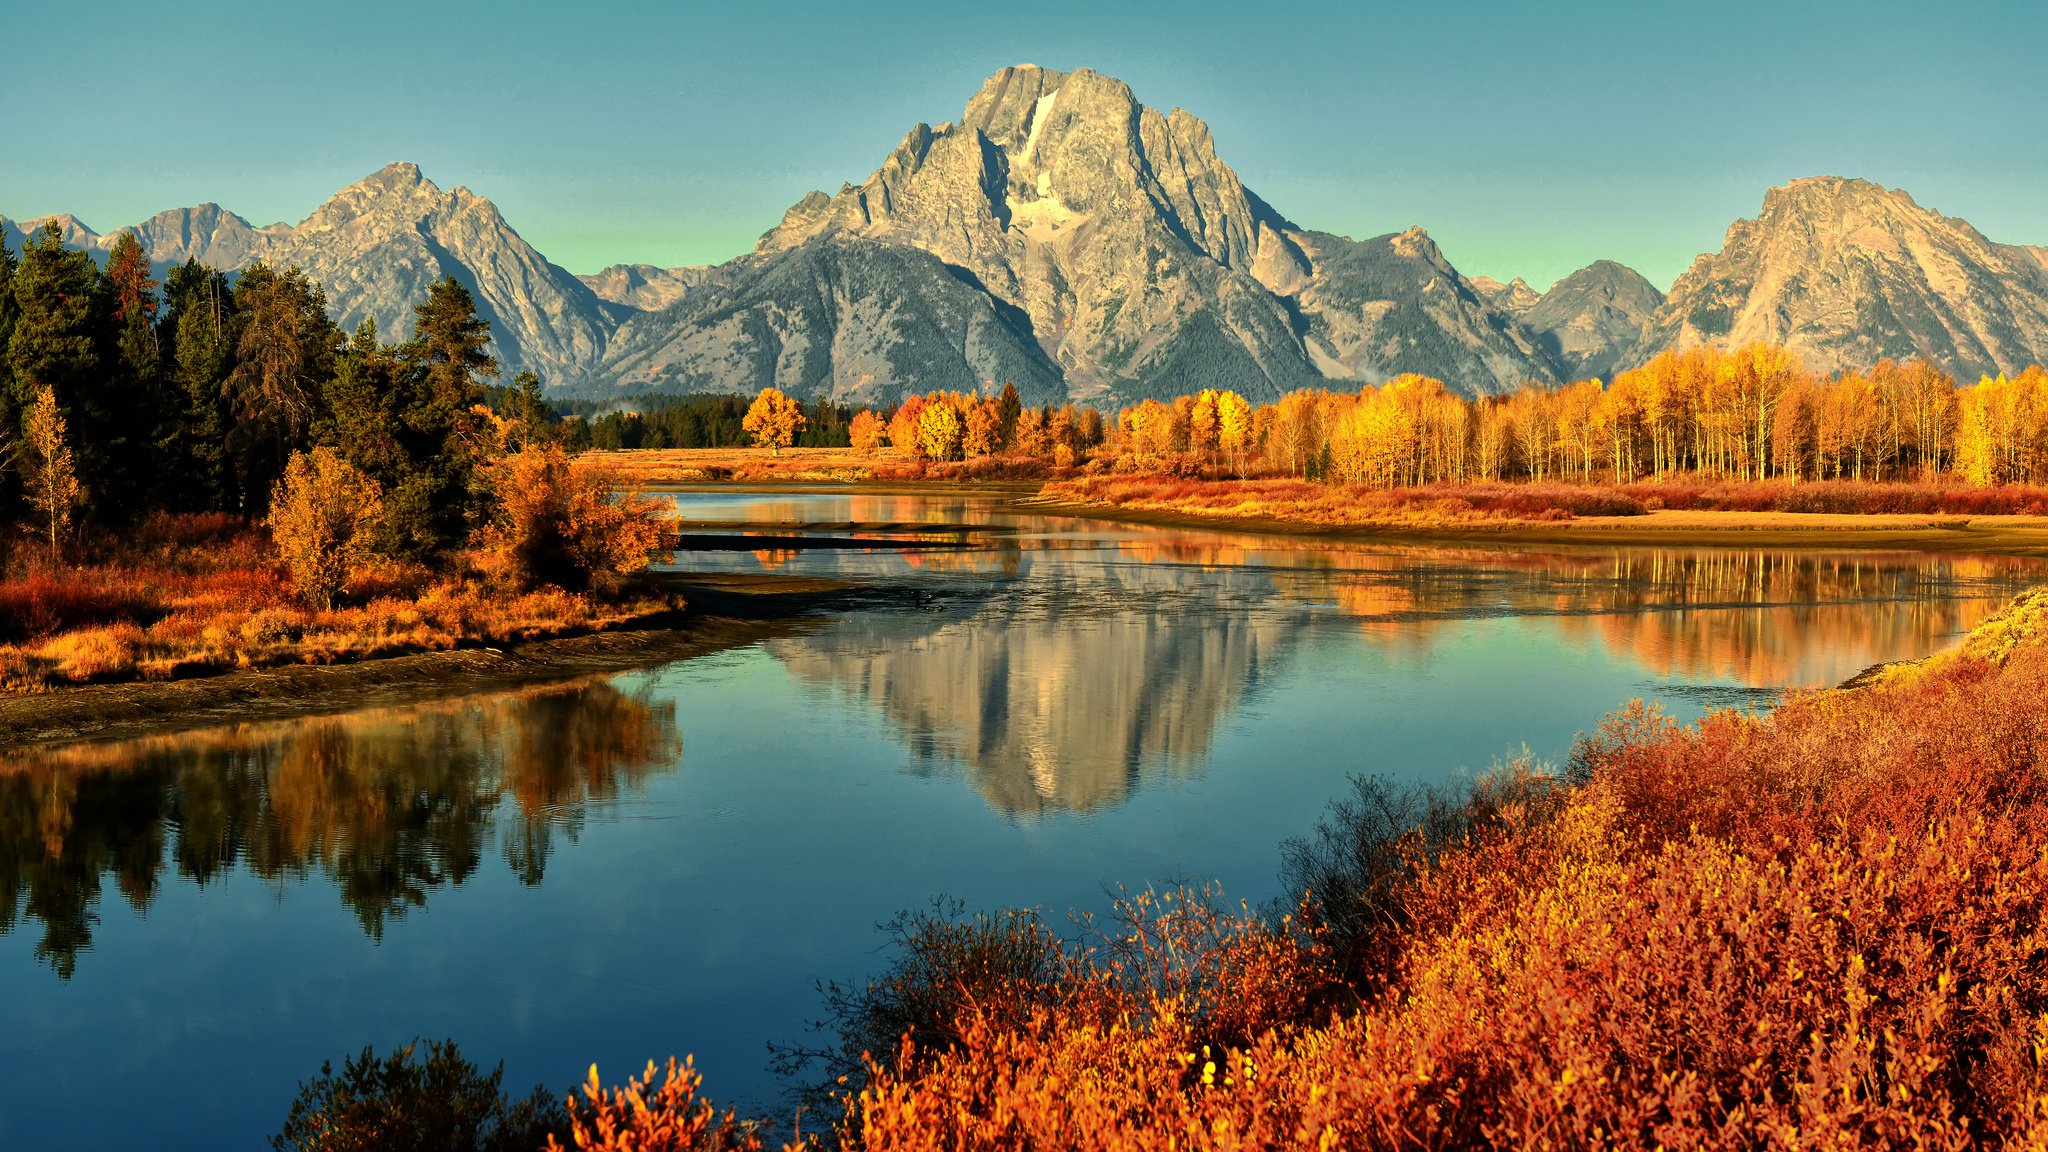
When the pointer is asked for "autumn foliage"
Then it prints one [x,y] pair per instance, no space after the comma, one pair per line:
[1480,502]
[773,420]
[323,515]
[1822,926]
[196,595]
[563,522]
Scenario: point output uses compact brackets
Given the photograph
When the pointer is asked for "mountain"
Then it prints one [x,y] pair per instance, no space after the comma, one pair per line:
[1847,272]
[843,317]
[1113,237]
[644,287]
[377,245]
[1065,236]
[1513,297]
[1594,318]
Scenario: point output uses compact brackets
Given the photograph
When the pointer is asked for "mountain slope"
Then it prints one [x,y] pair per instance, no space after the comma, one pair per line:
[1594,318]
[1847,272]
[1393,304]
[843,317]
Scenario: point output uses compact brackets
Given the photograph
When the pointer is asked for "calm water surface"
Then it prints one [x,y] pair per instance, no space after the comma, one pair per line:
[664,862]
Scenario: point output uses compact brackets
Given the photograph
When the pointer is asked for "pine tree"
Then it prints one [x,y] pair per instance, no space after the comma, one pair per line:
[52,343]
[284,353]
[10,411]
[449,355]
[535,421]
[196,331]
[453,343]
[122,413]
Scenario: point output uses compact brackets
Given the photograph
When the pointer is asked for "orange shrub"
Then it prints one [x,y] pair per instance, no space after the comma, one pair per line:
[562,522]
[644,1117]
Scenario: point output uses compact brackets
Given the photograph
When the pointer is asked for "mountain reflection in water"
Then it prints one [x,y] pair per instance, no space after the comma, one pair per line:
[1057,671]
[389,804]
[1057,665]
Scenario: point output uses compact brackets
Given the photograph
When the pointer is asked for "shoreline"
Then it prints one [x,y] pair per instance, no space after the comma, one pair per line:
[2000,535]
[1906,532]
[723,612]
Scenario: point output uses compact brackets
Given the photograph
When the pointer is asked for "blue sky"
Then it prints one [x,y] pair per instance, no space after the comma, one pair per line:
[1530,139]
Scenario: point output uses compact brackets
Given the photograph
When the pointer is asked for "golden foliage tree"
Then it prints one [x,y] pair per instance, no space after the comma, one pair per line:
[903,427]
[1233,424]
[940,431]
[53,487]
[563,522]
[866,432]
[323,516]
[774,420]
[984,429]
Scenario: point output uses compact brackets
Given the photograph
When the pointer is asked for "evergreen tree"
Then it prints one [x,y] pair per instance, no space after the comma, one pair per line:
[453,344]
[10,411]
[122,413]
[285,349]
[51,345]
[530,411]
[197,331]
[449,355]
[10,414]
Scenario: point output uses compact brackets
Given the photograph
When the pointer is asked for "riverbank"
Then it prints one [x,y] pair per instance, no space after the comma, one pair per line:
[721,613]
[1995,535]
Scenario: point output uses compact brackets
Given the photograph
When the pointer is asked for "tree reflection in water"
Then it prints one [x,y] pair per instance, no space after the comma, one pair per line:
[389,804]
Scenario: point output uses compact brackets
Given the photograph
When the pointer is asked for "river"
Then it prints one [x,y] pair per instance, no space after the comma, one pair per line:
[664,862]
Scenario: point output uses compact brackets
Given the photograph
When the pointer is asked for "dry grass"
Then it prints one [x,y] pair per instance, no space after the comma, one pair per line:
[194,596]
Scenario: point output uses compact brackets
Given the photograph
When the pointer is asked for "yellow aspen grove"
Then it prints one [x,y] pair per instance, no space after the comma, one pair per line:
[1233,426]
[903,427]
[1203,436]
[774,420]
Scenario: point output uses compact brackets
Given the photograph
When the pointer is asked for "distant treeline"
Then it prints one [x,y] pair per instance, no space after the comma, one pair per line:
[710,420]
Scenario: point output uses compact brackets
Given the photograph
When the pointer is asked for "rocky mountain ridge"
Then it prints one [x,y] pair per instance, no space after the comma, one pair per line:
[1063,235]
[376,246]
[1848,272]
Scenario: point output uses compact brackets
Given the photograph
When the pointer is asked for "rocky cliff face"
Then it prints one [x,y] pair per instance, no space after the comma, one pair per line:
[1847,273]
[1135,259]
[1593,319]
[1514,297]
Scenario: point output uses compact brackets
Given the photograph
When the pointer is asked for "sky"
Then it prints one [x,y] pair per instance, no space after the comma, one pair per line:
[1529,138]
